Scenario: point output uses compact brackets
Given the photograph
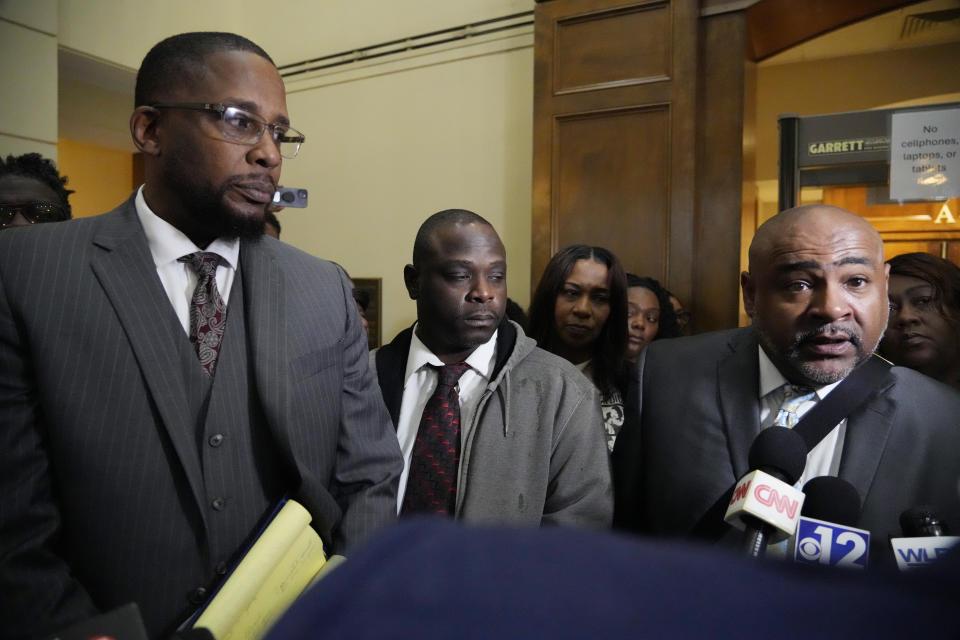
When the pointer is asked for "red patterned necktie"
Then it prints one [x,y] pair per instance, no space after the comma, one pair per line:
[432,482]
[208,312]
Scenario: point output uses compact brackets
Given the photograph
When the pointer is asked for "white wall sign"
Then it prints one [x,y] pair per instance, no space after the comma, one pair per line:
[925,155]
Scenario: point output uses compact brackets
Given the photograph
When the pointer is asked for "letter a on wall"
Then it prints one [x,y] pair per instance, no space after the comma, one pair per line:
[945,216]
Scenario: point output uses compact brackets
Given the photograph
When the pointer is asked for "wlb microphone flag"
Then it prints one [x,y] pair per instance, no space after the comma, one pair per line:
[925,538]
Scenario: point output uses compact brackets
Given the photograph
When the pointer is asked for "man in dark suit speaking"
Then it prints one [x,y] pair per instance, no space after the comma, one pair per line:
[816,290]
[167,373]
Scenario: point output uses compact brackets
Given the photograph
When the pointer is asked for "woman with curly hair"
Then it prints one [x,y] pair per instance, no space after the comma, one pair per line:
[579,312]
[924,328]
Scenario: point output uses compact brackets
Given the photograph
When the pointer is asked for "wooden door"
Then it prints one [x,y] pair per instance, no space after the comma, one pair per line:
[613,127]
[623,146]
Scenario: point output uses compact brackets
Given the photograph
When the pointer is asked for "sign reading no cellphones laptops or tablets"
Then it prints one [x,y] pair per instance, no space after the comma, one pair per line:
[925,155]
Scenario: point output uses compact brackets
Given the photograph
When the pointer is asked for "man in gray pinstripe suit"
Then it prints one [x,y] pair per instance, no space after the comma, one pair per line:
[127,471]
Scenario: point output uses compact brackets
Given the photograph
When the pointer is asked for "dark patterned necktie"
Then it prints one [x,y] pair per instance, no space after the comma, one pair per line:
[432,482]
[208,312]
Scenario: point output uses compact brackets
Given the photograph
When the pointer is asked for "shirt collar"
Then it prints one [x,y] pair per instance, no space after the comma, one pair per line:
[771,379]
[167,243]
[481,360]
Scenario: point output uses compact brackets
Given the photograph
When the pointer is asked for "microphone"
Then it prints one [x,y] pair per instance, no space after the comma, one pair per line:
[922,521]
[825,533]
[764,503]
[925,538]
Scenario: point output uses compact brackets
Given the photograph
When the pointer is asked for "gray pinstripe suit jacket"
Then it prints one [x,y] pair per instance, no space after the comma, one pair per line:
[101,488]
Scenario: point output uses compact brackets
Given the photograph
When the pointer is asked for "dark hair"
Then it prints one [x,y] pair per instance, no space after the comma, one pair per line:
[179,57]
[515,312]
[610,347]
[943,276]
[421,245]
[33,165]
[362,297]
[271,218]
[667,327]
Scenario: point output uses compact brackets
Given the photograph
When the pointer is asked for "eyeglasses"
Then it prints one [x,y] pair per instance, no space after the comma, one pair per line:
[33,212]
[243,127]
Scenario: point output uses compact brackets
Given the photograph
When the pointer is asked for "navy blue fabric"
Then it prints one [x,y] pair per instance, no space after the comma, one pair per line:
[435,579]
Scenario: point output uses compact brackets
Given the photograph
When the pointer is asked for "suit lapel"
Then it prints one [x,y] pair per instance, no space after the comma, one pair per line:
[391,362]
[868,429]
[738,383]
[125,269]
[265,304]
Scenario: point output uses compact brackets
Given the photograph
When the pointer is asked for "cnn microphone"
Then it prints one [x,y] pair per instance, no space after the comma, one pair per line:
[764,503]
[825,534]
[925,538]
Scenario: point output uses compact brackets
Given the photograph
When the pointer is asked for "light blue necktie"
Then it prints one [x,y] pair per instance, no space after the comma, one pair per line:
[793,399]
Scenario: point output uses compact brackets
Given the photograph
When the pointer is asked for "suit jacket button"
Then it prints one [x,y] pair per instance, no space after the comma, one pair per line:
[218,504]
[197,596]
[222,569]
[215,440]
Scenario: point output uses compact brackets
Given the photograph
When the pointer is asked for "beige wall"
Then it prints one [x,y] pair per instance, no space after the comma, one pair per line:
[384,152]
[122,31]
[388,144]
[28,76]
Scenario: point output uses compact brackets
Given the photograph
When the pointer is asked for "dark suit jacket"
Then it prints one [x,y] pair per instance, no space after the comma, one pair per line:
[699,413]
[102,487]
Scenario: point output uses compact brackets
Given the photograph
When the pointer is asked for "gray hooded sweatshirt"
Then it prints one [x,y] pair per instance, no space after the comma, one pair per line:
[534,451]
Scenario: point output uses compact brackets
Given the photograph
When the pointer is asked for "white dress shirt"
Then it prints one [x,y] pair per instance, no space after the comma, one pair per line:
[419,382]
[167,244]
[824,458]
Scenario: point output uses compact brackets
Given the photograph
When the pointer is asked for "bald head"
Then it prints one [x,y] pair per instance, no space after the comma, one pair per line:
[438,221]
[780,231]
[816,290]
[459,281]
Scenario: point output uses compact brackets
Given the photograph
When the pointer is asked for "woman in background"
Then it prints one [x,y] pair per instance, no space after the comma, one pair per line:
[924,328]
[650,315]
[579,312]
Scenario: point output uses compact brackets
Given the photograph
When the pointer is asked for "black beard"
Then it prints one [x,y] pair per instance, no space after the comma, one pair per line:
[208,214]
[231,225]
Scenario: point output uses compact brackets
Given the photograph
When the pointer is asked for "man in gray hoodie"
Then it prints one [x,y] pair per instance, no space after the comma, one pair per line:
[493,429]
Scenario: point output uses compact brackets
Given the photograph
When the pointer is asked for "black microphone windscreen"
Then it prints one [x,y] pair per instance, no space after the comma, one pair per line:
[921,521]
[831,499]
[778,449]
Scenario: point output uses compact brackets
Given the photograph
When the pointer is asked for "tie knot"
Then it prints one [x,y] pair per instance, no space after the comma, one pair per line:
[796,401]
[449,374]
[203,262]
[791,391]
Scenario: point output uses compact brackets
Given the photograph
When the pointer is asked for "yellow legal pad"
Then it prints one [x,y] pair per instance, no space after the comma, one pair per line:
[285,560]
